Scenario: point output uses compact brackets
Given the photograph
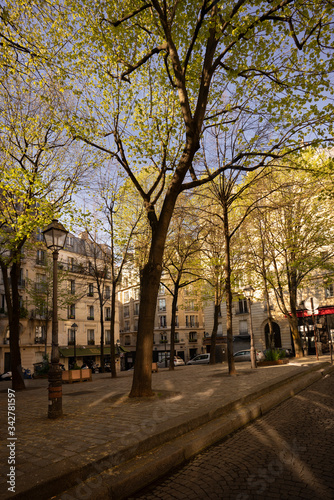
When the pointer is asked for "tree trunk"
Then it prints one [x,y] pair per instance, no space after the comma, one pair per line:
[293,320]
[215,328]
[102,331]
[112,331]
[297,342]
[13,307]
[149,288]
[172,327]
[270,318]
[228,293]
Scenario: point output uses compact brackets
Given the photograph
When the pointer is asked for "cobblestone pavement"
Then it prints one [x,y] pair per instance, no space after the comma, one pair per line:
[100,420]
[286,455]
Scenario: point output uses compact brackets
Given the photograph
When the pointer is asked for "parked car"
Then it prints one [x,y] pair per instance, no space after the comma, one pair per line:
[6,376]
[177,362]
[200,359]
[246,356]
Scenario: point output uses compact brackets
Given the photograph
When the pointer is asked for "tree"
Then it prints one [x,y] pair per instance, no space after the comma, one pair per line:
[181,263]
[226,206]
[38,174]
[114,234]
[151,84]
[293,229]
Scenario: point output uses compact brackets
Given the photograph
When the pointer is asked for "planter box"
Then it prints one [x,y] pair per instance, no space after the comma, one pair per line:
[70,376]
[283,361]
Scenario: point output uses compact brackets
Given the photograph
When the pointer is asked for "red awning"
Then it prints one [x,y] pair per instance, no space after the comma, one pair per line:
[321,312]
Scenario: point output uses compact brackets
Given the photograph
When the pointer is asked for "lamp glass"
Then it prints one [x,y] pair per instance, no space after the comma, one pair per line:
[55,235]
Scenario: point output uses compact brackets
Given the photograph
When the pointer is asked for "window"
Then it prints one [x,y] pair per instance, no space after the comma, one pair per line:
[70,241]
[329,290]
[192,321]
[107,337]
[127,340]
[71,336]
[176,321]
[107,294]
[108,313]
[136,325]
[136,311]
[72,287]
[90,337]
[163,321]
[192,336]
[242,306]
[163,338]
[162,305]
[40,257]
[126,326]
[126,296]
[243,327]
[176,337]
[90,290]
[71,311]
[70,263]
[190,305]
[39,235]
[137,294]
[40,334]
[40,285]
[3,304]
[126,311]
[162,289]
[90,312]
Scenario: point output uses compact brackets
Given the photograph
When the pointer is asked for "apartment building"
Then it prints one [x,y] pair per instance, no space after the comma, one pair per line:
[190,327]
[80,265]
[312,327]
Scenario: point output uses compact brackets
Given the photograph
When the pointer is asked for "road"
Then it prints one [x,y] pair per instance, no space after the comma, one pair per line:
[287,454]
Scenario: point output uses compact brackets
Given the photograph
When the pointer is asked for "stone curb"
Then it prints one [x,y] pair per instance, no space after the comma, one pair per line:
[137,466]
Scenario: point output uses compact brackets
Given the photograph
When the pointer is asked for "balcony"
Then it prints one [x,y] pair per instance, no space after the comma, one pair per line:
[71,316]
[70,342]
[192,324]
[192,341]
[90,317]
[107,318]
[6,341]
[91,342]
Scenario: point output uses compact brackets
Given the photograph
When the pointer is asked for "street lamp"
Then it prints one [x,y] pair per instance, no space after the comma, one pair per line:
[74,328]
[249,292]
[55,237]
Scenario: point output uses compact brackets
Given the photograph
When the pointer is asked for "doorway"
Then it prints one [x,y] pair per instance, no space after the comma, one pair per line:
[277,335]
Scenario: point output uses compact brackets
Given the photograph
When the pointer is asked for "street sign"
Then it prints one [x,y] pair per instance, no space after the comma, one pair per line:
[311,304]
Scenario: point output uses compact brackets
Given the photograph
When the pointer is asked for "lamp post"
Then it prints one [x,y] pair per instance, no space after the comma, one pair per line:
[248,292]
[55,237]
[74,328]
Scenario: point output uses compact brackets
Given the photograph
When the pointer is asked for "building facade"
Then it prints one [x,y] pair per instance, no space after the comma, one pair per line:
[79,311]
[190,326]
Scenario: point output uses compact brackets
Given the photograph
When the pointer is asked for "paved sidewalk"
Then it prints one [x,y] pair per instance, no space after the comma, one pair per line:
[103,428]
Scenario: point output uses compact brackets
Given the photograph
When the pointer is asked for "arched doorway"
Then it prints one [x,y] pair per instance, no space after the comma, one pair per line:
[277,335]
